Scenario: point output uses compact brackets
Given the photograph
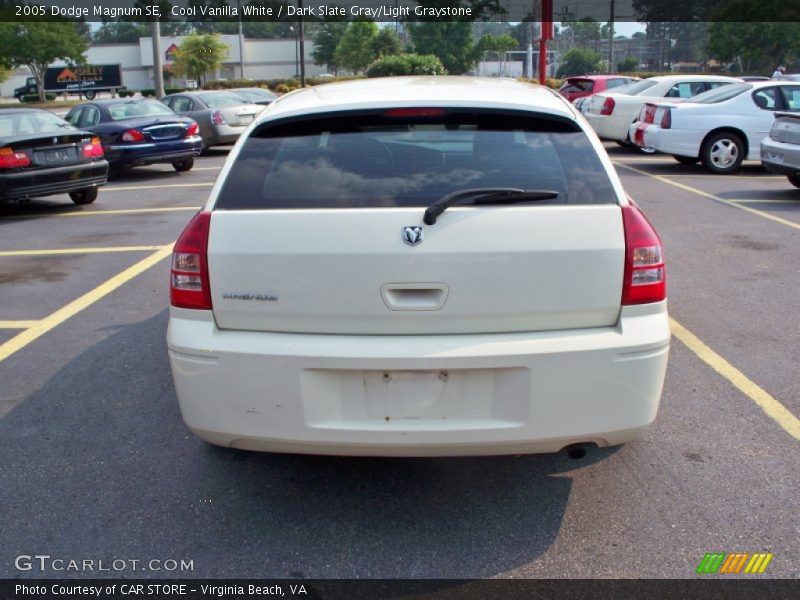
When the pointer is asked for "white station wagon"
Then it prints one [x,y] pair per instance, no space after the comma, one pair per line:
[418,267]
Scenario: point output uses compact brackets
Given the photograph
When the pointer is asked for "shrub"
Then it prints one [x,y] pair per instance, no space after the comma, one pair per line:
[406,64]
[35,97]
[126,93]
[283,88]
[273,84]
[148,93]
[174,90]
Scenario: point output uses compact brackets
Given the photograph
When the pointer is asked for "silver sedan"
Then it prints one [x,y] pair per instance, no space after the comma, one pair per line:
[222,115]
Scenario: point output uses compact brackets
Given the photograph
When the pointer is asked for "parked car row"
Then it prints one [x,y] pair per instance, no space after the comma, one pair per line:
[42,154]
[715,120]
[720,128]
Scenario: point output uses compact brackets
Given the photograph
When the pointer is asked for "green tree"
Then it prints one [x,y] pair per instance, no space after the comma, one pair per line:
[579,62]
[497,44]
[386,43]
[354,51]
[451,41]
[406,64]
[121,32]
[327,39]
[198,55]
[757,47]
[628,64]
[36,44]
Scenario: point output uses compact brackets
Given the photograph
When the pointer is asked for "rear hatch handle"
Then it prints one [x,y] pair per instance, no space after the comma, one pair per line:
[414,296]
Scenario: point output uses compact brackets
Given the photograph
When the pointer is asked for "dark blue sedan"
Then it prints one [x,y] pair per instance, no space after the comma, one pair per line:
[140,132]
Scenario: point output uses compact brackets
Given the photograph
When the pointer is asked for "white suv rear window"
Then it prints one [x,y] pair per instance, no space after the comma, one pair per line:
[411,157]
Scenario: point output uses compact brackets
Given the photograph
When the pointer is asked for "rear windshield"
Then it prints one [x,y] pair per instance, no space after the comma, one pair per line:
[720,94]
[34,121]
[635,88]
[375,160]
[222,99]
[576,86]
[134,110]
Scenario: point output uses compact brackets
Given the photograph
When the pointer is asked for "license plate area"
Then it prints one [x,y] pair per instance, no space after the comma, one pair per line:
[57,156]
[412,399]
[774,158]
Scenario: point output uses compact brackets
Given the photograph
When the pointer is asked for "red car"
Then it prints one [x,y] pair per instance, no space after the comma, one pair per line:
[586,85]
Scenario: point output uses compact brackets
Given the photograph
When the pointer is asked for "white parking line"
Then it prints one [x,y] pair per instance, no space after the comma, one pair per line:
[134,188]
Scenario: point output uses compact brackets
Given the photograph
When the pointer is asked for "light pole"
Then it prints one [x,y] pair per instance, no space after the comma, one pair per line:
[302,46]
[241,38]
[158,73]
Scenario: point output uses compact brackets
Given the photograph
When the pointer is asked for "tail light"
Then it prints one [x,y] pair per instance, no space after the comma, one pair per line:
[217,118]
[10,159]
[132,135]
[666,119]
[192,130]
[648,114]
[645,279]
[93,149]
[608,106]
[189,286]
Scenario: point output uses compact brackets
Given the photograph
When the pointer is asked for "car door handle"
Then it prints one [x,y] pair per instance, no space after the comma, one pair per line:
[414,296]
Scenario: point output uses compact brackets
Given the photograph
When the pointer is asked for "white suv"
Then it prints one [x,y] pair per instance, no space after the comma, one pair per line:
[418,267]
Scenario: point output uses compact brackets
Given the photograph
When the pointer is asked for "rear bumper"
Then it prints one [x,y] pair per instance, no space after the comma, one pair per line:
[780,158]
[680,142]
[609,127]
[438,395]
[222,135]
[57,180]
[130,155]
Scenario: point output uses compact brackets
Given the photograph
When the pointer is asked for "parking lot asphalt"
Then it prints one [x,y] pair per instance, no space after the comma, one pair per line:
[97,464]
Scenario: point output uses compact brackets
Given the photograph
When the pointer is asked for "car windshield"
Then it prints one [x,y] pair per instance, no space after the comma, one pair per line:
[217,100]
[138,108]
[34,121]
[633,89]
[256,95]
[410,157]
[720,94]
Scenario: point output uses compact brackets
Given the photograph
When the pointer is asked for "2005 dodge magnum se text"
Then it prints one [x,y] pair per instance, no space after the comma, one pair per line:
[418,267]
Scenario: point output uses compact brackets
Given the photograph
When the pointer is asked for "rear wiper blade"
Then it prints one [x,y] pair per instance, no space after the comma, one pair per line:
[485,196]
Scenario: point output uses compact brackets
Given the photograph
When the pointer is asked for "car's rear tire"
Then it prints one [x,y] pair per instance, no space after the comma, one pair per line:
[686,160]
[723,153]
[183,165]
[84,196]
[89,94]
[794,180]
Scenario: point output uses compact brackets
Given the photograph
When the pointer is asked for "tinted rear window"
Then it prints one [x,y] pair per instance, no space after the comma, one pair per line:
[373,160]
[577,86]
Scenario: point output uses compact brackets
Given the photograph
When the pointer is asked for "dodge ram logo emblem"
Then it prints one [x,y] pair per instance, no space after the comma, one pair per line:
[412,235]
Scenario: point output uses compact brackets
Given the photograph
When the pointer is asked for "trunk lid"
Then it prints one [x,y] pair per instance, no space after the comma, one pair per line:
[315,229]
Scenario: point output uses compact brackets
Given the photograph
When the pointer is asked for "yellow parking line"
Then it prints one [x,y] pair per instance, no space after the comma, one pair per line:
[712,197]
[78,251]
[126,211]
[754,201]
[55,319]
[773,409]
[132,188]
[17,324]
